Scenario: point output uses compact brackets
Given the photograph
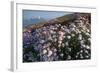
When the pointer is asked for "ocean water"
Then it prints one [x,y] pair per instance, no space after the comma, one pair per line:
[34,16]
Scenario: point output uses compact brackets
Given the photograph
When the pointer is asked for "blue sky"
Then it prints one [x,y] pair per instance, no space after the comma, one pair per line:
[27,14]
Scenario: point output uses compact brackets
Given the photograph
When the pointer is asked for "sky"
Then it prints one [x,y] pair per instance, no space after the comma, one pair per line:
[27,14]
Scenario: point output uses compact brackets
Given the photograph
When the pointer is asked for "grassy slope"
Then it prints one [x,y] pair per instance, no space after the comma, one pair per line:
[62,19]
